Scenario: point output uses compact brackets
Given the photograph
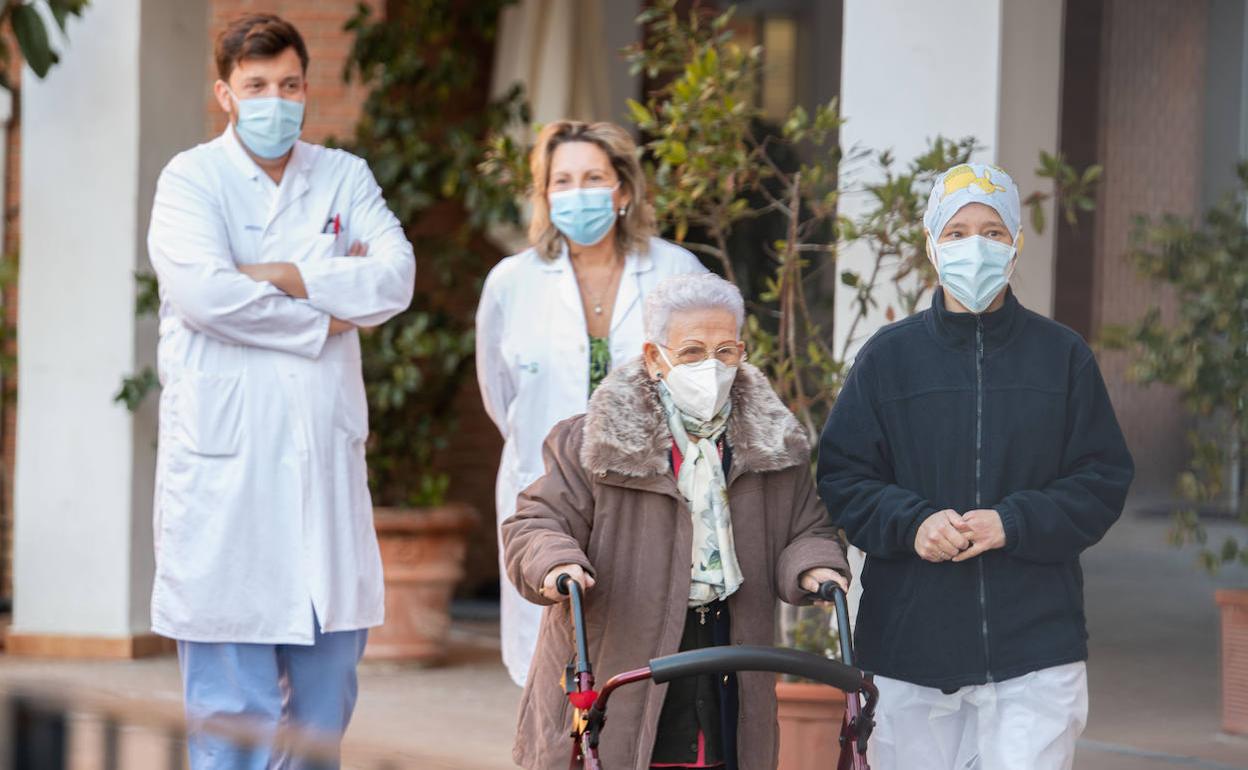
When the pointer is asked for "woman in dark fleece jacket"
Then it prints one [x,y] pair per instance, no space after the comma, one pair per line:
[973,454]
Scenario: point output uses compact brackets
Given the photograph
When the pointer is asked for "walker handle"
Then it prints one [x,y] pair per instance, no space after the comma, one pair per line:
[572,589]
[831,592]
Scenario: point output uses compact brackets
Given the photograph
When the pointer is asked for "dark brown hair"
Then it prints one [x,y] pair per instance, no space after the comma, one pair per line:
[257,36]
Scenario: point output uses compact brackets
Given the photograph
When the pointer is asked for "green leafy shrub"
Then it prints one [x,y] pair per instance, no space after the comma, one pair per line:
[1203,352]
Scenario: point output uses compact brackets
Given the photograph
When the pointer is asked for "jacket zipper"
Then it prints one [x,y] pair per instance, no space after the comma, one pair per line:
[979,446]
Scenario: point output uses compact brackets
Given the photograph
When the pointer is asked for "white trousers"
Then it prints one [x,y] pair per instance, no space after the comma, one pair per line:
[1030,722]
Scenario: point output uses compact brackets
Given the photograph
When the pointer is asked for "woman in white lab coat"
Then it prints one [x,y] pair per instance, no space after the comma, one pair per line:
[555,318]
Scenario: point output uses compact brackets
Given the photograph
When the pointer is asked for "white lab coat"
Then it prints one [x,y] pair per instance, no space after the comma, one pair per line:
[262,510]
[533,368]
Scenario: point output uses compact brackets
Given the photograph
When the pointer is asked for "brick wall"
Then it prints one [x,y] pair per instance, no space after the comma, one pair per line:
[1151,142]
[333,106]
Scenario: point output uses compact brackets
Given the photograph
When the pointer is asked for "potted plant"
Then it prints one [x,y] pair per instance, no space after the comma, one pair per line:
[1204,353]
[427,65]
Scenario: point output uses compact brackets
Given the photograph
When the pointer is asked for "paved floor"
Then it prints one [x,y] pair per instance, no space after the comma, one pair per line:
[1153,677]
[460,715]
[1153,669]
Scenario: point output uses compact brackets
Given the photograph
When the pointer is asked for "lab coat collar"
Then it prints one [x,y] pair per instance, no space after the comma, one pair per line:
[295,167]
[237,155]
[634,263]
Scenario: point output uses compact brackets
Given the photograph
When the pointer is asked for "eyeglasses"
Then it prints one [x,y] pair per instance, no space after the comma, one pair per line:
[728,355]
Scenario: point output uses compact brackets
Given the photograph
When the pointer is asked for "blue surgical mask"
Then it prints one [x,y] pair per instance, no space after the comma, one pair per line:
[974,270]
[585,215]
[268,125]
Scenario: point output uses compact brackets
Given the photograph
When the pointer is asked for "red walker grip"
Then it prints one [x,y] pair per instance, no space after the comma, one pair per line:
[583,700]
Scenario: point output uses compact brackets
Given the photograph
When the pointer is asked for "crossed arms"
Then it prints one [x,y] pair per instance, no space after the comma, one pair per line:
[277,306]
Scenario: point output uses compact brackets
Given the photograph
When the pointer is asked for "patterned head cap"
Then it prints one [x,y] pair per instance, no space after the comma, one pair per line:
[972,183]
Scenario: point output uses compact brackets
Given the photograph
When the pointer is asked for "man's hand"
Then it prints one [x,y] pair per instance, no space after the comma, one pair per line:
[358,249]
[551,591]
[986,533]
[284,275]
[261,271]
[339,326]
[811,579]
[942,536]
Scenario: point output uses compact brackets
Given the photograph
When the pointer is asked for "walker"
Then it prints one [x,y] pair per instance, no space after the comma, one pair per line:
[590,705]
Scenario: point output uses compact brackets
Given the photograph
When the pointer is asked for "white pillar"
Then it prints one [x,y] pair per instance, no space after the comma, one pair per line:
[127,95]
[991,69]
[1030,110]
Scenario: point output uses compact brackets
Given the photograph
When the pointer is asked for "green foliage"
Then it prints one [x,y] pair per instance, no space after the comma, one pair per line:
[817,632]
[700,124]
[26,22]
[1203,352]
[8,331]
[892,227]
[1075,191]
[422,133]
[717,167]
[147,302]
[136,387]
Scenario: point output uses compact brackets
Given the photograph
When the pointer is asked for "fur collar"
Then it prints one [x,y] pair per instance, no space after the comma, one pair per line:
[625,429]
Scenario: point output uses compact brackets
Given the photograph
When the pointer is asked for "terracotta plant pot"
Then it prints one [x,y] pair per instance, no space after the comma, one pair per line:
[810,725]
[1234,604]
[422,556]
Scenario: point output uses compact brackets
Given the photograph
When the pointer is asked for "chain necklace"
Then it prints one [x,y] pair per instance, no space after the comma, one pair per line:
[596,298]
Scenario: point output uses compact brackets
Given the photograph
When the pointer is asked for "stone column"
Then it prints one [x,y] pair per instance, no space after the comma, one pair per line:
[990,69]
[127,95]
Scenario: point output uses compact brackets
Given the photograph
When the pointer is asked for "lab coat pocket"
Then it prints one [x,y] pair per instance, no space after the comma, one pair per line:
[209,409]
[351,408]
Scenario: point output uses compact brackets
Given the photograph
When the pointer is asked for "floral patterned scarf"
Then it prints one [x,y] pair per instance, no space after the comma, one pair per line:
[716,573]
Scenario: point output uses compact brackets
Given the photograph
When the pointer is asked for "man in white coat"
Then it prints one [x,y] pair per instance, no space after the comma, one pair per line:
[271,253]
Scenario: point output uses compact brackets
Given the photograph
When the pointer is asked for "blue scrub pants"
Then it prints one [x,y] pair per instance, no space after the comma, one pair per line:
[311,687]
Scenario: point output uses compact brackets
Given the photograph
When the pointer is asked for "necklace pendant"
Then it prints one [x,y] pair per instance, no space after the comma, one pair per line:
[597,309]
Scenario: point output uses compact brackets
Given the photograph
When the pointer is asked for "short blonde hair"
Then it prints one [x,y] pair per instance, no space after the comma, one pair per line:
[634,229]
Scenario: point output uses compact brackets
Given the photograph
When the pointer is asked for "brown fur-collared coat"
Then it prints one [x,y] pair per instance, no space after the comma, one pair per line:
[609,502]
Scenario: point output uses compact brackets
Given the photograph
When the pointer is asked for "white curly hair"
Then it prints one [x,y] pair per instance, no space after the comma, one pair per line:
[691,291]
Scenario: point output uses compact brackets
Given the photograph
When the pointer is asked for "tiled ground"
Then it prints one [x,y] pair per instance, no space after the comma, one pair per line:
[1153,675]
